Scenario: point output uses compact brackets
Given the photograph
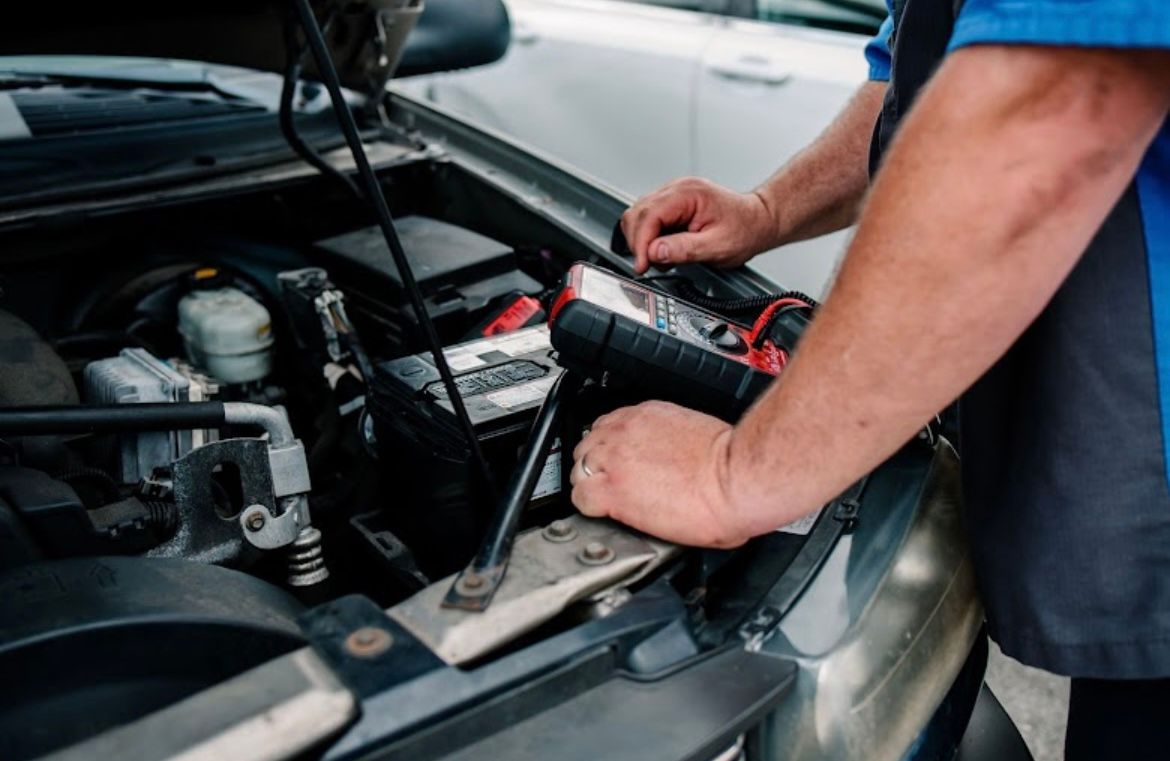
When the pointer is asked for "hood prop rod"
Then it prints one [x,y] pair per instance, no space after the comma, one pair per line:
[372,189]
[476,584]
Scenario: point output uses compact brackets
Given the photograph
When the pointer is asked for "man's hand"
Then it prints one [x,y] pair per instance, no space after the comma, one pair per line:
[713,224]
[816,193]
[660,468]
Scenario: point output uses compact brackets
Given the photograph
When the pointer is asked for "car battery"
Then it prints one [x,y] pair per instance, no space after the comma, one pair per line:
[503,381]
[459,272]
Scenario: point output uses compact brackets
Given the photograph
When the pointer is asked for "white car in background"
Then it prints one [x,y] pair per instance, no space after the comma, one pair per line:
[638,92]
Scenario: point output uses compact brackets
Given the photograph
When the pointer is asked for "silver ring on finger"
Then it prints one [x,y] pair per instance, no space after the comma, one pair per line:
[585,470]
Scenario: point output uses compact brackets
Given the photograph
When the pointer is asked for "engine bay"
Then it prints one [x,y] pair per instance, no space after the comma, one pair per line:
[211,426]
[300,331]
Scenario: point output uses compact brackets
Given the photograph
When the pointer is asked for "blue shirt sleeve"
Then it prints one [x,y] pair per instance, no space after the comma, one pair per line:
[1096,23]
[877,52]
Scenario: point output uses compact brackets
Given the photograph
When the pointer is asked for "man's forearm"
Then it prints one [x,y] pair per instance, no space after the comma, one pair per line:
[820,189]
[995,186]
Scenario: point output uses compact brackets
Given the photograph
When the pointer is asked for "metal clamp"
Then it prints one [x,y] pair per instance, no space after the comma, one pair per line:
[281,516]
[267,531]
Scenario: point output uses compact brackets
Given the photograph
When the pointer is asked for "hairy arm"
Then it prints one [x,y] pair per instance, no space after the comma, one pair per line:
[1007,166]
[820,190]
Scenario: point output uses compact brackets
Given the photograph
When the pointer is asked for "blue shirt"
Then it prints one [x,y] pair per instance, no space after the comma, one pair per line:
[1095,23]
[1064,441]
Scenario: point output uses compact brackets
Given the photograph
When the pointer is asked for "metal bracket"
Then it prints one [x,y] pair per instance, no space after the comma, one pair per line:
[267,531]
[545,576]
[192,474]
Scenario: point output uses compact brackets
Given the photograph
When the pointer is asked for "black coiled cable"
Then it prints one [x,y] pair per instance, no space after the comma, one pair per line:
[746,305]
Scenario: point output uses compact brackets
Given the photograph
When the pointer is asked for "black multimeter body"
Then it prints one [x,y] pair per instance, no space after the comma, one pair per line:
[605,325]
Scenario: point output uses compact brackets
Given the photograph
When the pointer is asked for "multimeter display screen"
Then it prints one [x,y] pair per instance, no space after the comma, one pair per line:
[615,295]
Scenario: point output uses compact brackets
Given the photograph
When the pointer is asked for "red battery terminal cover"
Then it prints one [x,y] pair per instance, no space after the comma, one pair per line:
[520,313]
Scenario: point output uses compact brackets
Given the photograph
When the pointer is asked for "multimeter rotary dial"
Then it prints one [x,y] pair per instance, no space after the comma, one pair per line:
[712,332]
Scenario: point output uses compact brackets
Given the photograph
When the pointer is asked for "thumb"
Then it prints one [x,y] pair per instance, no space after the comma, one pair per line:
[680,248]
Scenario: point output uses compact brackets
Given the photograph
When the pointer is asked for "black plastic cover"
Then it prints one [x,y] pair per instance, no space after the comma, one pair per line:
[694,713]
[459,272]
[90,644]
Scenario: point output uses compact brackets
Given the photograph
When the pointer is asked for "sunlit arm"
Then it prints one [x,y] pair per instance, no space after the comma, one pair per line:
[993,189]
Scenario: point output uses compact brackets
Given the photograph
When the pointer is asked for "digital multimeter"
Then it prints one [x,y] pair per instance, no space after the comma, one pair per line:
[604,324]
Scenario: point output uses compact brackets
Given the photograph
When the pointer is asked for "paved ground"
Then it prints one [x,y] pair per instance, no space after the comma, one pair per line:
[1036,700]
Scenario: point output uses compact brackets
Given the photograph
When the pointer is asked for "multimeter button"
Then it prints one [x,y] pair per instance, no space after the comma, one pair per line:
[673,329]
[661,322]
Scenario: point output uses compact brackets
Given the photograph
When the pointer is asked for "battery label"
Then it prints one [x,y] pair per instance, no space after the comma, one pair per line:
[470,356]
[549,482]
[518,396]
[522,342]
[461,360]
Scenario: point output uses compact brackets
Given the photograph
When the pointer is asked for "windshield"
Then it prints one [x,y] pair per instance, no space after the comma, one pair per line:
[861,16]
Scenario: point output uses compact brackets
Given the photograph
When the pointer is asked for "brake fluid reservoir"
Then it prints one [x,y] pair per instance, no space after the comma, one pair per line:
[227,333]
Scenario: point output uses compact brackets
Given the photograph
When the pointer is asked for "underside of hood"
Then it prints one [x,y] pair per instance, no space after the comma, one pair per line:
[366,37]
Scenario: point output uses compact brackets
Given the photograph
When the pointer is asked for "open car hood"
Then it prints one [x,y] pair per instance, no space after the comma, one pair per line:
[366,37]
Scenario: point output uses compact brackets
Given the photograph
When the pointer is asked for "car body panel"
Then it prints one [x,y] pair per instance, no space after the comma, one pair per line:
[566,86]
[638,95]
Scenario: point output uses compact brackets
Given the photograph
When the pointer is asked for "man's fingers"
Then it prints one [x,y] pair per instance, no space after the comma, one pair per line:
[589,497]
[641,263]
[654,213]
[681,248]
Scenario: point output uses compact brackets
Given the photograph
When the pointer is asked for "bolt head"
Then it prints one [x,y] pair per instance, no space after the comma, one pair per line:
[368,641]
[596,553]
[473,584]
[256,521]
[595,550]
[559,531]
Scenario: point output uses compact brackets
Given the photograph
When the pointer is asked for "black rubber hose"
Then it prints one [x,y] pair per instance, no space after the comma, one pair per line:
[294,52]
[114,418]
[111,492]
